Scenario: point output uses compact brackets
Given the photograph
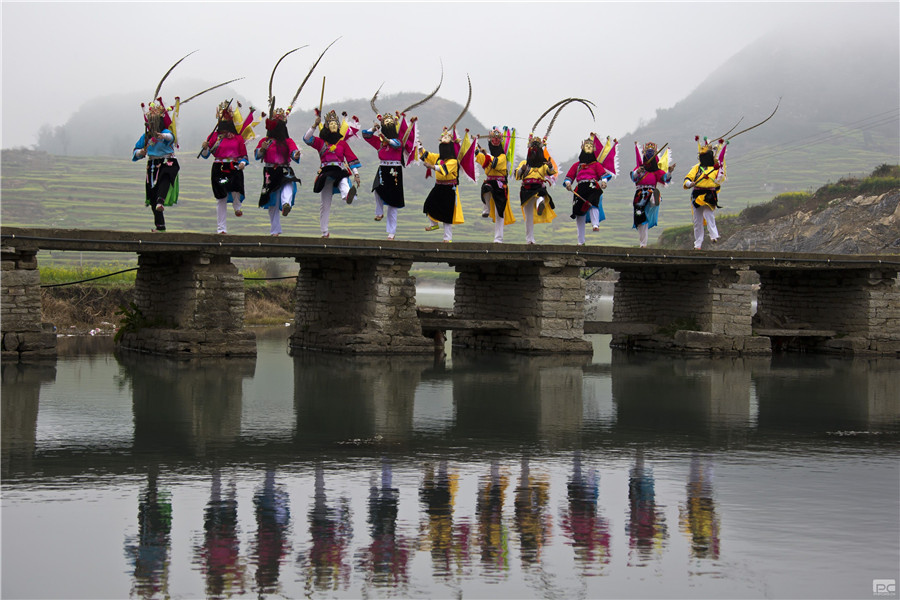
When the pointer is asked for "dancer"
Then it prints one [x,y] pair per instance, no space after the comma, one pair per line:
[590,177]
[228,145]
[454,155]
[705,179]
[535,172]
[495,189]
[395,140]
[334,153]
[652,169]
[276,151]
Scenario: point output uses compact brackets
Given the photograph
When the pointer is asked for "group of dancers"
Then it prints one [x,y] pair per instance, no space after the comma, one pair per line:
[395,138]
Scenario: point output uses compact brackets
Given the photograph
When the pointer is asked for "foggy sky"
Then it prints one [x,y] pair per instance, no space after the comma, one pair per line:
[628,58]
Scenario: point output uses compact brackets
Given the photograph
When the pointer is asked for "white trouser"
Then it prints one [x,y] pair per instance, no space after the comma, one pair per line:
[275,211]
[390,213]
[699,214]
[498,224]
[528,209]
[222,210]
[448,232]
[580,222]
[643,234]
[325,207]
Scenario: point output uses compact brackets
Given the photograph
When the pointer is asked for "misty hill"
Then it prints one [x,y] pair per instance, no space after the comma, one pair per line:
[838,116]
[851,216]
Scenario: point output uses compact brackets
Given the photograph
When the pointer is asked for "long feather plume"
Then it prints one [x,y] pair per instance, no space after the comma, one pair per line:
[159,86]
[210,89]
[586,103]
[718,137]
[760,123]
[372,101]
[546,112]
[272,78]
[429,96]
[466,108]
[299,89]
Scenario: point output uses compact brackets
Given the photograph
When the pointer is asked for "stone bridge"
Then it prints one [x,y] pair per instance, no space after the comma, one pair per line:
[357,296]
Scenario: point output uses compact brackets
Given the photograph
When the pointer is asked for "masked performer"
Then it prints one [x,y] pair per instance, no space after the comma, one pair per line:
[228,146]
[652,169]
[495,189]
[334,152]
[276,151]
[535,172]
[705,178]
[158,145]
[590,176]
[454,155]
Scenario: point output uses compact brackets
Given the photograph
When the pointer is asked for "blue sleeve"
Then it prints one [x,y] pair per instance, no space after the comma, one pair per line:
[138,146]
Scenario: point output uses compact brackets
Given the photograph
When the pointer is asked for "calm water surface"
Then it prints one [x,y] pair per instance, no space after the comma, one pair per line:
[464,476]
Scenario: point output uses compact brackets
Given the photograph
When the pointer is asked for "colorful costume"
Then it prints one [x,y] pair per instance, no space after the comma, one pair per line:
[228,145]
[651,169]
[396,149]
[535,172]
[442,204]
[276,151]
[158,144]
[595,167]
[334,152]
[706,178]
[495,189]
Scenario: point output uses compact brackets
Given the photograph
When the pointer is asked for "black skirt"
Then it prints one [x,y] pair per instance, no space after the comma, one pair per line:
[440,203]
[389,185]
[492,187]
[529,191]
[590,193]
[226,178]
[273,180]
[334,172]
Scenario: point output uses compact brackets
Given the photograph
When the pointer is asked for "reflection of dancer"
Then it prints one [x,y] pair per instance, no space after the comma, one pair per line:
[220,552]
[388,554]
[646,525]
[532,522]
[150,556]
[331,531]
[437,495]
[273,517]
[698,517]
[492,534]
[587,530]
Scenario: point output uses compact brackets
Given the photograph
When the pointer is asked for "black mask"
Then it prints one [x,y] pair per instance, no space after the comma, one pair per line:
[707,159]
[446,151]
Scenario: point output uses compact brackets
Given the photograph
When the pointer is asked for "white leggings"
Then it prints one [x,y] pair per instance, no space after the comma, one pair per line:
[327,192]
[222,210]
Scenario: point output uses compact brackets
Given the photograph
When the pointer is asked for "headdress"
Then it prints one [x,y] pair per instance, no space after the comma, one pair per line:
[282,114]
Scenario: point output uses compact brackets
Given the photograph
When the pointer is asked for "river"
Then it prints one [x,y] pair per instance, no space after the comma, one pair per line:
[462,475]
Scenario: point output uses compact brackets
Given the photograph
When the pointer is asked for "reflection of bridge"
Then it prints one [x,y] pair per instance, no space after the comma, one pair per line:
[346,406]
[357,296]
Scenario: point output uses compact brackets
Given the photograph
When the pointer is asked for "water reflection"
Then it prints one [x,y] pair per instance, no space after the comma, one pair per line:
[475,479]
[218,556]
[646,527]
[326,564]
[386,560]
[150,551]
[698,516]
[586,529]
[273,533]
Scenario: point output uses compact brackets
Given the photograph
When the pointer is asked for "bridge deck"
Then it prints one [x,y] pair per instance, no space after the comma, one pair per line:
[429,252]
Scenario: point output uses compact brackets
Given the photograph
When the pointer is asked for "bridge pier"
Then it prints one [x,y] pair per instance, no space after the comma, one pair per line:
[357,306]
[24,336]
[189,305]
[546,298]
[692,309]
[854,311]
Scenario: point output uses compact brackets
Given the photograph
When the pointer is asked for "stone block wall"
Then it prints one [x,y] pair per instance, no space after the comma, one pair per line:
[546,298]
[192,305]
[357,306]
[861,305]
[24,336]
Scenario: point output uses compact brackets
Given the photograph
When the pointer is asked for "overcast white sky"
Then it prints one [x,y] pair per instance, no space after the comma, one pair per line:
[629,58]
